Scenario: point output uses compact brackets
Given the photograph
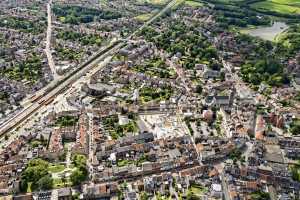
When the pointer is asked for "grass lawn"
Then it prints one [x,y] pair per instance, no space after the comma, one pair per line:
[279,6]
[56,168]
[197,190]
[58,183]
[29,187]
[123,163]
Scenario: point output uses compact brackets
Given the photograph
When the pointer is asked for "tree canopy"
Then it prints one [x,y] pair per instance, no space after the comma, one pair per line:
[37,176]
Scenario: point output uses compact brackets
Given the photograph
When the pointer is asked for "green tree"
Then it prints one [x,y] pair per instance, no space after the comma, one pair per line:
[64,179]
[191,196]
[81,173]
[45,183]
[79,160]
[295,127]
[78,176]
[295,174]
[199,89]
[260,195]
[144,196]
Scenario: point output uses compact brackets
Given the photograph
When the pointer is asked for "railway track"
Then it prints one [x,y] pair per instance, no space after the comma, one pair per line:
[58,86]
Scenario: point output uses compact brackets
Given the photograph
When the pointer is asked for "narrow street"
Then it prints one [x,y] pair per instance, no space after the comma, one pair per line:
[68,156]
[54,195]
[225,187]
[173,192]
[180,72]
[91,142]
[187,132]
[249,147]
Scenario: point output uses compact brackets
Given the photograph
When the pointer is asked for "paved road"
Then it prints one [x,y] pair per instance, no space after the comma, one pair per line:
[48,41]
[62,83]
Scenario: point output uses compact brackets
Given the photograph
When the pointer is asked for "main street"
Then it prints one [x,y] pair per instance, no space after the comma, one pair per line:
[48,41]
[62,83]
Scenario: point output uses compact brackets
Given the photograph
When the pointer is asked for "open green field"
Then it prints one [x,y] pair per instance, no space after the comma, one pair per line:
[194,4]
[278,6]
[144,17]
[287,2]
[228,1]
[282,2]
[154,2]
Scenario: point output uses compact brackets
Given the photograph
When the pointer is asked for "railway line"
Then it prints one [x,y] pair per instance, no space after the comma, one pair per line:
[61,84]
